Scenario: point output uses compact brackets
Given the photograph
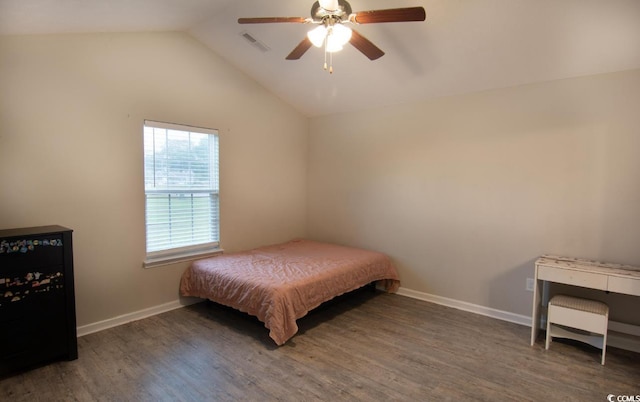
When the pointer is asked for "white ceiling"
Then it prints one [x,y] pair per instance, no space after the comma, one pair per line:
[463,46]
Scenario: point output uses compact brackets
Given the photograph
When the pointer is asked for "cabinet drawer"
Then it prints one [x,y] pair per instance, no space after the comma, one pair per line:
[624,285]
[571,277]
[22,337]
[30,293]
[30,342]
[45,304]
[24,254]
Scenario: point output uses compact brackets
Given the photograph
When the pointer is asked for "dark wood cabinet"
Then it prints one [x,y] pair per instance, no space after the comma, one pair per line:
[37,299]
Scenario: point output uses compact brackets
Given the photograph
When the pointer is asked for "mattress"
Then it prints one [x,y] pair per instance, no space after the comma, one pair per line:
[280,283]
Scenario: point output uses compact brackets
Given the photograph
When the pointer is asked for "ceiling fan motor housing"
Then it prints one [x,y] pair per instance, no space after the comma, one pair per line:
[319,14]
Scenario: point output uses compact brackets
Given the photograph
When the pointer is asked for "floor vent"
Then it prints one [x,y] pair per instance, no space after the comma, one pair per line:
[255,42]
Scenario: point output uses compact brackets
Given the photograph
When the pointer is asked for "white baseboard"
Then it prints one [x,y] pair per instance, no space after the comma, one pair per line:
[620,335]
[134,316]
[461,305]
[624,336]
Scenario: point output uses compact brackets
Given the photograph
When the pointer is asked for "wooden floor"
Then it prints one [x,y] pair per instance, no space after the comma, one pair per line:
[368,346]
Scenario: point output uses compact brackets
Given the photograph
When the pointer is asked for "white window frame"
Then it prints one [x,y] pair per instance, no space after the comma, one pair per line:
[189,252]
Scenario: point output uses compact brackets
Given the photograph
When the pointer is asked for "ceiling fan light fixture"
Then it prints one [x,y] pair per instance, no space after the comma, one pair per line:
[334,37]
[317,35]
[340,34]
[333,46]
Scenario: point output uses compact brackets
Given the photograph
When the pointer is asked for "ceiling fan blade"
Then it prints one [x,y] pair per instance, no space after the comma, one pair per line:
[390,15]
[300,49]
[365,46]
[269,20]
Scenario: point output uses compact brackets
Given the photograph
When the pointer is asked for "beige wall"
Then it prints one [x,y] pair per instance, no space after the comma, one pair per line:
[465,192]
[71,115]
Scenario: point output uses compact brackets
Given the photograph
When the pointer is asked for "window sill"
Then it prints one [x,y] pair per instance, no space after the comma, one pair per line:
[176,258]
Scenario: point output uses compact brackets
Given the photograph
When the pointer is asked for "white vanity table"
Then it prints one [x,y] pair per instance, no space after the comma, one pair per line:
[615,278]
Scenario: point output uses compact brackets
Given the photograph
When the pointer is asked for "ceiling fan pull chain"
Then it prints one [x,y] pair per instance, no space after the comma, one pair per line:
[330,63]
[325,54]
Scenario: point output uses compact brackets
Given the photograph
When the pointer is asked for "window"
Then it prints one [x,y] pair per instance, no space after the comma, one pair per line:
[181,191]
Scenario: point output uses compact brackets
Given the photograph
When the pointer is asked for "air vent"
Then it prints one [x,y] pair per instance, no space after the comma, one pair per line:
[254,42]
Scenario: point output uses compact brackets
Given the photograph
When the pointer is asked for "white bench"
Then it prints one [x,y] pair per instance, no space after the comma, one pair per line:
[589,316]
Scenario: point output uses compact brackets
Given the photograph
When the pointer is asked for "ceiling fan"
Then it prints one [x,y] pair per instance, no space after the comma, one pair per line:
[331,17]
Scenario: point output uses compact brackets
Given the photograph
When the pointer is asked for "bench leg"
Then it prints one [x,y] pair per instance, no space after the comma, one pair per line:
[604,346]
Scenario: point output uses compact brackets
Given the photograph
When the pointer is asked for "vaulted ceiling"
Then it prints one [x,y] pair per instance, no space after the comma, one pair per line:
[463,46]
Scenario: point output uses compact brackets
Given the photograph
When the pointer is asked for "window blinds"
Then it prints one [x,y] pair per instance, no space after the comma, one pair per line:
[181,187]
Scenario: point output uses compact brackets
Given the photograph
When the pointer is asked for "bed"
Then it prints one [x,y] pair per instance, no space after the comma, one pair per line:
[281,283]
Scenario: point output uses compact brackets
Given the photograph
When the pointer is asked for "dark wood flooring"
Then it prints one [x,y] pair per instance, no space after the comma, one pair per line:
[367,346]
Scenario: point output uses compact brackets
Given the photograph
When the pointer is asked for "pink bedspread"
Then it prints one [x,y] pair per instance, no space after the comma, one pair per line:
[283,282]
